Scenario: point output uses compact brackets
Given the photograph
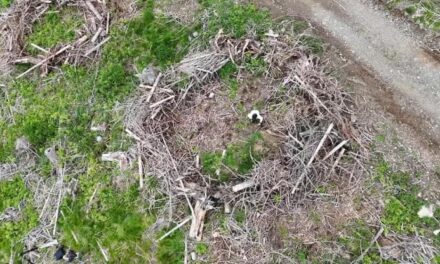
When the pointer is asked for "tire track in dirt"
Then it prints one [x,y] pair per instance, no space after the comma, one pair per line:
[400,75]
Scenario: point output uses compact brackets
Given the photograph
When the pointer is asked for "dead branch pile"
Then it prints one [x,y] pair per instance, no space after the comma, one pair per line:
[407,250]
[17,22]
[320,143]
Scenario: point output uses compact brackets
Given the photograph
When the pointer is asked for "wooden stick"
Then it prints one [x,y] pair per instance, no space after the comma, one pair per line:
[156,82]
[59,201]
[96,36]
[197,223]
[81,40]
[140,168]
[337,160]
[161,102]
[93,9]
[97,46]
[133,135]
[107,24]
[335,149]
[321,143]
[242,186]
[49,244]
[44,61]
[175,228]
[27,60]
[39,48]
[102,251]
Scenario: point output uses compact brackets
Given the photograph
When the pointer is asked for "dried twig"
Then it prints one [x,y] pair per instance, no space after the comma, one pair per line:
[44,61]
[153,89]
[373,241]
[186,220]
[321,143]
[97,47]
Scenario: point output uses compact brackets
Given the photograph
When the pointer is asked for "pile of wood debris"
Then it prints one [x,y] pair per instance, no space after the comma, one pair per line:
[319,141]
[17,22]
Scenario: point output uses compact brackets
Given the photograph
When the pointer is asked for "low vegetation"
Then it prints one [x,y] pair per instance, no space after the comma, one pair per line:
[15,195]
[403,203]
[107,216]
[425,13]
[56,28]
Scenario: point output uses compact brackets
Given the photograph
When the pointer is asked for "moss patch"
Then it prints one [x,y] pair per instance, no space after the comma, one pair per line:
[13,193]
[55,28]
[239,158]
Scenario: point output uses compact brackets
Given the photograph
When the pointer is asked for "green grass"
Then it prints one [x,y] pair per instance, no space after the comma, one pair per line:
[423,12]
[201,249]
[228,74]
[13,193]
[60,109]
[402,203]
[5,3]
[255,65]
[239,157]
[358,239]
[115,221]
[55,28]
[238,20]
[314,44]
[171,250]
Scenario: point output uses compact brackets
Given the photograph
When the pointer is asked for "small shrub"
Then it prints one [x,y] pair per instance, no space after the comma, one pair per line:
[201,248]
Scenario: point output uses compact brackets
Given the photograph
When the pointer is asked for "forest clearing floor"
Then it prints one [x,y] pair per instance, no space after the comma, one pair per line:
[214,132]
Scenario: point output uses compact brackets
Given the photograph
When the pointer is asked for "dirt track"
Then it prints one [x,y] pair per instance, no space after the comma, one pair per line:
[398,73]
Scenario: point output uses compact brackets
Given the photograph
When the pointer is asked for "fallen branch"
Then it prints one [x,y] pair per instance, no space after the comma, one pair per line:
[198,221]
[242,186]
[98,32]
[335,149]
[321,143]
[93,9]
[140,168]
[175,228]
[44,61]
[361,257]
[97,46]
[161,101]
[156,82]
[104,254]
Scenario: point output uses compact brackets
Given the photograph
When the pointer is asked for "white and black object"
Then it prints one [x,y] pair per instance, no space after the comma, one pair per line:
[255,117]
